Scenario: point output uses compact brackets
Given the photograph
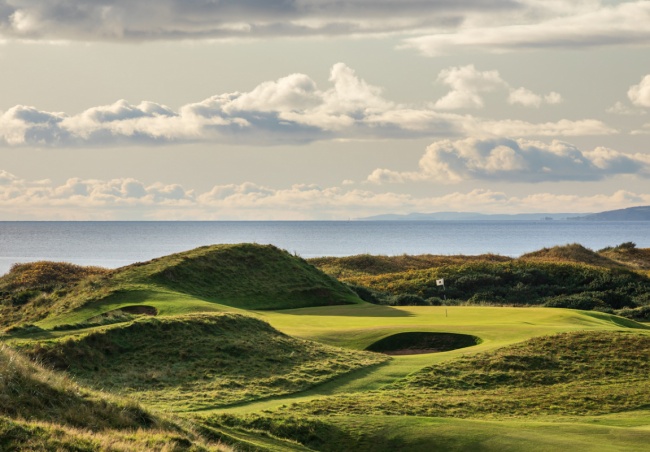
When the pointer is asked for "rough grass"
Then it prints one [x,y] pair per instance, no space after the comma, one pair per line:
[250,277]
[29,291]
[374,433]
[570,253]
[29,391]
[199,361]
[367,264]
[37,436]
[579,373]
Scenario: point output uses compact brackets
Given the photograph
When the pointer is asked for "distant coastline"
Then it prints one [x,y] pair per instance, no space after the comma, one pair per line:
[640,213]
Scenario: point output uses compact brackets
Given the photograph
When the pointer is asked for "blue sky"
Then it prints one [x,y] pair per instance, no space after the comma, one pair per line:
[319,109]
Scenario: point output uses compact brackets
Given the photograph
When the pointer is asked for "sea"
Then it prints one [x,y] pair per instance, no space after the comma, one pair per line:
[115,244]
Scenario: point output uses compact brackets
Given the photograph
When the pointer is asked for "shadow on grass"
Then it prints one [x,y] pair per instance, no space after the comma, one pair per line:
[358,310]
[326,388]
[616,320]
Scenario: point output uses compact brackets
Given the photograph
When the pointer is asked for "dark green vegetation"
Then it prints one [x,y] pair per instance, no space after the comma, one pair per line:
[422,342]
[251,348]
[612,280]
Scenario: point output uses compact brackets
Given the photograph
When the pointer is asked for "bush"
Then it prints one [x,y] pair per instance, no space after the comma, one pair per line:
[585,301]
[366,294]
[640,314]
[407,299]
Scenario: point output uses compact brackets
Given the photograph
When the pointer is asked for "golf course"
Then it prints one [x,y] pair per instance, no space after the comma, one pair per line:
[248,347]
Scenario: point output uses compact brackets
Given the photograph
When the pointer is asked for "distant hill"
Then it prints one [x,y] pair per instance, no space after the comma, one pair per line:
[469,216]
[640,213]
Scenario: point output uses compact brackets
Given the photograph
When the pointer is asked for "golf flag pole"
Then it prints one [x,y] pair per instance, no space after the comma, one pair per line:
[441,282]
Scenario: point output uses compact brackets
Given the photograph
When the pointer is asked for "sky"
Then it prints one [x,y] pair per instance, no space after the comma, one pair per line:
[321,109]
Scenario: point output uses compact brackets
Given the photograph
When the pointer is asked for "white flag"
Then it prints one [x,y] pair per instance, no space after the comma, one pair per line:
[440,282]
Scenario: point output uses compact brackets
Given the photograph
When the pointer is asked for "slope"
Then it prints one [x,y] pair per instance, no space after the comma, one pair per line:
[196,361]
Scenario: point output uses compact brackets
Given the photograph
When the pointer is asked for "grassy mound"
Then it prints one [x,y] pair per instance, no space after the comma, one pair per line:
[628,254]
[247,276]
[197,361]
[579,373]
[29,291]
[29,391]
[570,253]
[547,360]
[410,343]
[367,264]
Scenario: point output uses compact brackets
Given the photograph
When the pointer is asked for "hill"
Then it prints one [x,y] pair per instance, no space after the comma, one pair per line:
[578,373]
[196,361]
[245,276]
[45,410]
[640,213]
[572,375]
[569,276]
[469,216]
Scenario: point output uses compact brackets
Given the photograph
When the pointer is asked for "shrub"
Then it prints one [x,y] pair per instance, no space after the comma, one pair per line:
[586,301]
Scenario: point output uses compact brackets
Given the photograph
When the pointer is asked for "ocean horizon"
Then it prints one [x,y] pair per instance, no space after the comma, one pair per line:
[114,244]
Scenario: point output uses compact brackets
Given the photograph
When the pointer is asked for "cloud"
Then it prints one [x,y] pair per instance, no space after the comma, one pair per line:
[518,128]
[619,108]
[527,98]
[198,19]
[467,84]
[640,94]
[130,199]
[643,131]
[590,25]
[290,110]
[515,161]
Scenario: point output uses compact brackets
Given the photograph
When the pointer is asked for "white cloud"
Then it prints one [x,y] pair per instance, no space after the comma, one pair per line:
[515,161]
[590,25]
[518,128]
[640,94]
[86,199]
[527,98]
[619,108]
[290,110]
[468,84]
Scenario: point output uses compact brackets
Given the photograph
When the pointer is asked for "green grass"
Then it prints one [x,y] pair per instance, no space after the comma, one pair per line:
[209,279]
[197,361]
[413,433]
[578,373]
[298,379]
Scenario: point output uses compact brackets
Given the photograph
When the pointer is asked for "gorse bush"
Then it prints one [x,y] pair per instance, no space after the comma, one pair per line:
[515,283]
